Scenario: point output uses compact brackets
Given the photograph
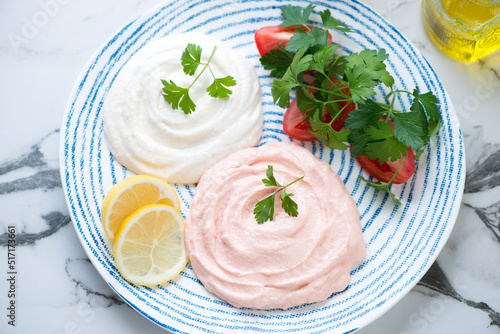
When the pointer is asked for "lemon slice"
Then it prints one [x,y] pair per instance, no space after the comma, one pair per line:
[127,196]
[149,246]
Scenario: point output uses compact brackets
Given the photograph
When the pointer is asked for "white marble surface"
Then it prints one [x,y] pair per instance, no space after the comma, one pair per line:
[43,46]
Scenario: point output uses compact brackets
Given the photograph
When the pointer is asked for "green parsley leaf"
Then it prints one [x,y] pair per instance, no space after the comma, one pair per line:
[305,103]
[277,61]
[306,36]
[219,89]
[322,57]
[382,144]
[270,181]
[361,83]
[332,23]
[264,209]
[358,139]
[191,58]
[373,61]
[280,89]
[367,114]
[178,97]
[430,104]
[364,70]
[307,39]
[293,15]
[410,129]
[289,205]
[434,127]
[336,67]
[324,132]
[417,107]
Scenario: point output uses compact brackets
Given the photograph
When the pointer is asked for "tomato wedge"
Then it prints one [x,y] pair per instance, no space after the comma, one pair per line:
[384,172]
[296,126]
[267,37]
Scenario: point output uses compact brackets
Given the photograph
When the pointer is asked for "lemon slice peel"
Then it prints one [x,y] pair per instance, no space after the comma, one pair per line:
[131,194]
[157,257]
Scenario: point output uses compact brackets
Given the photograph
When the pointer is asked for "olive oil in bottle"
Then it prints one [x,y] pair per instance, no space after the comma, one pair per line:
[464,29]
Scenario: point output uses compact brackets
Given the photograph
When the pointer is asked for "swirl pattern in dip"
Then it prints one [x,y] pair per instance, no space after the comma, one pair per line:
[146,135]
[285,262]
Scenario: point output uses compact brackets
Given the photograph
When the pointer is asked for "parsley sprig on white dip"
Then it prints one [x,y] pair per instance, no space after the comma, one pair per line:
[179,97]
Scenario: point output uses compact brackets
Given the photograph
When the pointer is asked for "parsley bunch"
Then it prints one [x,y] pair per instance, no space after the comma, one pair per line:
[190,60]
[264,209]
[374,129]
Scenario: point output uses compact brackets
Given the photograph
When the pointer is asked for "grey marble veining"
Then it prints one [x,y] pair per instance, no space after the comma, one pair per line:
[490,216]
[55,221]
[74,268]
[435,279]
[43,175]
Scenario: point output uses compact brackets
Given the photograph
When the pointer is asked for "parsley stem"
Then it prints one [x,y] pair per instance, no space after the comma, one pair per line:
[318,89]
[338,113]
[284,187]
[308,29]
[390,93]
[383,105]
[332,82]
[397,171]
[300,178]
[209,68]
[204,68]
[403,91]
[390,110]
[393,101]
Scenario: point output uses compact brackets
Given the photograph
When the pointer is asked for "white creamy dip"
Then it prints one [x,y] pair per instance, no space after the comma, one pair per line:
[285,262]
[146,135]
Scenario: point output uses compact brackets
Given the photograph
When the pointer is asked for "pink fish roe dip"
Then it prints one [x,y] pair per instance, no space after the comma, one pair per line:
[285,262]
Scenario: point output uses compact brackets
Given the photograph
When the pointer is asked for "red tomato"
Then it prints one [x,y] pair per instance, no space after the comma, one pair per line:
[296,126]
[384,172]
[267,37]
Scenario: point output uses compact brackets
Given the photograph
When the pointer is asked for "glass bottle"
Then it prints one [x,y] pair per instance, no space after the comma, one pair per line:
[464,29]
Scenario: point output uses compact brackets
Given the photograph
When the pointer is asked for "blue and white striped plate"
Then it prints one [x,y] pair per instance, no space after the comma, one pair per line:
[402,243]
